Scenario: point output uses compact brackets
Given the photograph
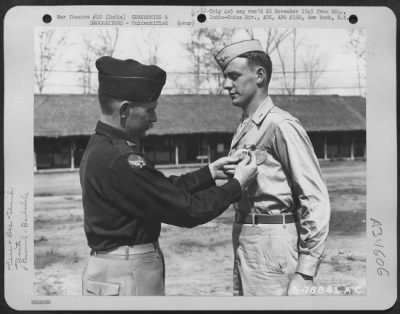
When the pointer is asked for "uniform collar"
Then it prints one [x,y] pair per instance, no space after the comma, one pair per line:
[114,133]
[262,110]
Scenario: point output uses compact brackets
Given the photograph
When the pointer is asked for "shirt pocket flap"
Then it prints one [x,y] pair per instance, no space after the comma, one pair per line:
[261,156]
[102,288]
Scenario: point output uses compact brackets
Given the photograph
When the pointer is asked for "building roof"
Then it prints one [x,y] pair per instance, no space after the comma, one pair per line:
[68,115]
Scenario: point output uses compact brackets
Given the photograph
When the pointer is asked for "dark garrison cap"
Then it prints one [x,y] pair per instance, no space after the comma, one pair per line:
[129,79]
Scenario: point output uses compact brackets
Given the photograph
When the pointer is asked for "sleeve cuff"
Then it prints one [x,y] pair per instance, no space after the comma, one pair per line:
[205,177]
[308,265]
[235,188]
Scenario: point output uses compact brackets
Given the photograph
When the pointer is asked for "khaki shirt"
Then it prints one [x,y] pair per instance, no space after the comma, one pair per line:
[289,179]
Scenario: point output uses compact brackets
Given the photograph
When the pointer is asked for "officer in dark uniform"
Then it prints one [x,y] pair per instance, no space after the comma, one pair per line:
[125,199]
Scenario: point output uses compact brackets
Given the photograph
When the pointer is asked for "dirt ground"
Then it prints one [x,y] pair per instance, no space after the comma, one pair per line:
[198,261]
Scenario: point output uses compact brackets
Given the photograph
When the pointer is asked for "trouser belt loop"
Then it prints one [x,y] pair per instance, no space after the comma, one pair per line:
[253,218]
[127,252]
[283,221]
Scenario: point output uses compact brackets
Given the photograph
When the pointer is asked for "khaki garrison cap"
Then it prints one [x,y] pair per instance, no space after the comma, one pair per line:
[230,52]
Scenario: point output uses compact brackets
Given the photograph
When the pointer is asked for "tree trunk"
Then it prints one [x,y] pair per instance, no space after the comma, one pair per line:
[294,61]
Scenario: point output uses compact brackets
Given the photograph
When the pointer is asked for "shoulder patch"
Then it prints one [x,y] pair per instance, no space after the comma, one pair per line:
[136,161]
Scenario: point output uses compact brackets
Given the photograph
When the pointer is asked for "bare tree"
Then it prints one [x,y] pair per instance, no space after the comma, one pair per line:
[250,32]
[314,64]
[294,51]
[274,38]
[48,53]
[103,44]
[289,86]
[202,45]
[108,42]
[85,67]
[357,46]
[284,71]
[151,38]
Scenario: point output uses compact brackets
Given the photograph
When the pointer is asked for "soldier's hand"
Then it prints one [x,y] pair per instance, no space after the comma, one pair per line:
[217,168]
[240,154]
[246,170]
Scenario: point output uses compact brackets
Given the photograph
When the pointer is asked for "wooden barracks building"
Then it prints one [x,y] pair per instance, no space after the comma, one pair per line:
[195,128]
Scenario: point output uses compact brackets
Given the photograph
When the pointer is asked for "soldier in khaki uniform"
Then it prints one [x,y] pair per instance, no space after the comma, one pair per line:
[282,220]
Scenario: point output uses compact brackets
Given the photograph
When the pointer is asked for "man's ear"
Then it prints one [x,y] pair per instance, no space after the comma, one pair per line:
[124,109]
[261,75]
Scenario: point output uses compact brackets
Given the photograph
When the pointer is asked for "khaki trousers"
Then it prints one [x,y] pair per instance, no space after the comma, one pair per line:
[141,274]
[265,258]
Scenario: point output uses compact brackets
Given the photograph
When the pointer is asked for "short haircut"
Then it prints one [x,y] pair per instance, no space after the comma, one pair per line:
[258,58]
[107,103]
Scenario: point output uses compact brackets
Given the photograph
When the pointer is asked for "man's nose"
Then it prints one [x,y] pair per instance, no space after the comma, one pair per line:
[227,84]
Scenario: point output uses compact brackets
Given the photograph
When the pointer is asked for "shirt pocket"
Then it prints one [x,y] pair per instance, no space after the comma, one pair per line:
[261,156]
[102,288]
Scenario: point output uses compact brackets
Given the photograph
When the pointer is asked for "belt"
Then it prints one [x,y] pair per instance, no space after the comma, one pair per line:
[256,219]
[123,252]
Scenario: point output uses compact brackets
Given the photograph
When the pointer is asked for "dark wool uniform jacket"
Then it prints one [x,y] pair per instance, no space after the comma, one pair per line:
[125,199]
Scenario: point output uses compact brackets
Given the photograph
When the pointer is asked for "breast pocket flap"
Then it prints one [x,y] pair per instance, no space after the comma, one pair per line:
[102,288]
[261,156]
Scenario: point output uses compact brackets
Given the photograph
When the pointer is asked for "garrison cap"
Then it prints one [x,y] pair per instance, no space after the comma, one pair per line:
[230,52]
[129,79]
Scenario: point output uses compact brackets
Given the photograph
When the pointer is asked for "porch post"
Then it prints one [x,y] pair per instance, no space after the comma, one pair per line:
[72,148]
[34,161]
[176,151]
[208,149]
[325,147]
[352,148]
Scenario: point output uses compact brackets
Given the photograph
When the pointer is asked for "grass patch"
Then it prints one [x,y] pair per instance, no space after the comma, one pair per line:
[73,198]
[40,239]
[52,256]
[74,258]
[43,194]
[44,222]
[349,191]
[188,245]
[48,258]
[345,263]
[348,222]
[354,258]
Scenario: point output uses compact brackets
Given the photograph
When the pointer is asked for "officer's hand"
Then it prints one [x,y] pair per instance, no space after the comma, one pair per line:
[246,170]
[217,168]
[300,286]
[240,154]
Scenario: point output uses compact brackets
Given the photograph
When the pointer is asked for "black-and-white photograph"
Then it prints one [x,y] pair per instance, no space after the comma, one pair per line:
[200,161]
